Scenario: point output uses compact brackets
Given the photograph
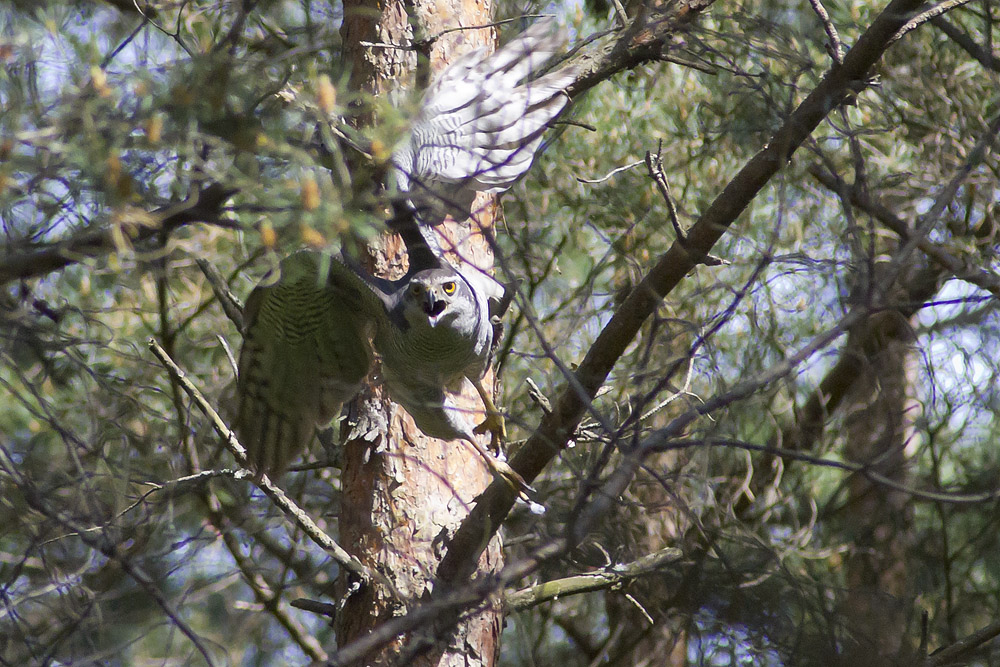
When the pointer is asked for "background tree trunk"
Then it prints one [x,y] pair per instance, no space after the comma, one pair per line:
[404,492]
[880,413]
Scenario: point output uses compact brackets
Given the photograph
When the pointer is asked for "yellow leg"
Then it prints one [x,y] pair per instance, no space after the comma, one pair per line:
[501,470]
[494,422]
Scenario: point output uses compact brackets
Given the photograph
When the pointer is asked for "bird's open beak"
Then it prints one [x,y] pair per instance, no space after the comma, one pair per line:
[432,305]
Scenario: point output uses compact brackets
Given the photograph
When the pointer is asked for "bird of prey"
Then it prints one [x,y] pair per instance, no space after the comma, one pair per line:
[439,334]
[307,329]
[306,351]
[478,129]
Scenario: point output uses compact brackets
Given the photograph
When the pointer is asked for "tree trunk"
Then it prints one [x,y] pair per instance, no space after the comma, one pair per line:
[880,412]
[404,493]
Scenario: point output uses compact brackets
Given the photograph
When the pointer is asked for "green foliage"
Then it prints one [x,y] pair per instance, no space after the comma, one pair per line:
[108,123]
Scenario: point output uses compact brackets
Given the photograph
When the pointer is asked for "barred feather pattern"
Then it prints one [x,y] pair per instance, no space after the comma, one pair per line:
[426,355]
[307,331]
[481,123]
[305,352]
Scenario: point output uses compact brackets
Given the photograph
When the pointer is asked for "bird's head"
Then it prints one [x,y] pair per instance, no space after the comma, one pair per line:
[434,297]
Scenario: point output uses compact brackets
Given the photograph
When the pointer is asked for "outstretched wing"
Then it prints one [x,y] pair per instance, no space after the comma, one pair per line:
[480,124]
[306,350]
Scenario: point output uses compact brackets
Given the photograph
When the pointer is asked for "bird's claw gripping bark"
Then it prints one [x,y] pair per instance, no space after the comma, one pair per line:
[501,470]
[495,425]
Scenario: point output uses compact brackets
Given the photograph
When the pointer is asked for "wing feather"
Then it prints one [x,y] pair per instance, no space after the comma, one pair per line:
[306,350]
[481,124]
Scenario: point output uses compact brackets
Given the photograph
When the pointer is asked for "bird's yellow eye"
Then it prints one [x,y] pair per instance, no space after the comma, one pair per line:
[449,288]
[416,289]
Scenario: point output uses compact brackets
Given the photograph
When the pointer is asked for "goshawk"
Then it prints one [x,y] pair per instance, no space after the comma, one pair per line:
[307,328]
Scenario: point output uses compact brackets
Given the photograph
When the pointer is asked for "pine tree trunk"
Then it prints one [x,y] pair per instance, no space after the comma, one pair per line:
[403,493]
[878,520]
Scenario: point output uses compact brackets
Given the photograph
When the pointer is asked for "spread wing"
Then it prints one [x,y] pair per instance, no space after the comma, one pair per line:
[481,123]
[306,350]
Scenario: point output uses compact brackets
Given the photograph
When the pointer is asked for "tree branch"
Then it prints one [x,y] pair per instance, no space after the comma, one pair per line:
[613,577]
[99,538]
[556,428]
[205,206]
[953,654]
[966,43]
[277,496]
[231,304]
[863,201]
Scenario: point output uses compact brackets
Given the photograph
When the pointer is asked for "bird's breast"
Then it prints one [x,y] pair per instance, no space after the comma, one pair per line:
[435,356]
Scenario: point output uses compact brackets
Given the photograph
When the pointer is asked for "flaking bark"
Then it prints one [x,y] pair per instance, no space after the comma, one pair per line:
[405,493]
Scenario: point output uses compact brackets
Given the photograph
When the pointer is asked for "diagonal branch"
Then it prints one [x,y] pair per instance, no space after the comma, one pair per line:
[644,40]
[967,44]
[941,256]
[99,538]
[958,652]
[556,428]
[277,496]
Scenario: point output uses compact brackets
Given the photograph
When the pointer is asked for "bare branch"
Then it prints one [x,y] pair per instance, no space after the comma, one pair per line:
[230,303]
[835,46]
[555,429]
[612,577]
[277,496]
[967,44]
[205,206]
[963,648]
[97,538]
[660,441]
[928,15]
[939,254]
[590,181]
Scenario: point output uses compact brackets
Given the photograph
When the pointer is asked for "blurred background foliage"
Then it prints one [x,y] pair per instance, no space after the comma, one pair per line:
[109,555]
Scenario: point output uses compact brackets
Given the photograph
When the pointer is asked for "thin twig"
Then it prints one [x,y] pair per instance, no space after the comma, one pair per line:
[941,256]
[685,390]
[654,163]
[611,173]
[924,17]
[276,495]
[422,44]
[100,541]
[642,610]
[230,303]
[659,441]
[575,123]
[684,62]
[233,365]
[269,599]
[835,46]
[316,607]
[125,42]
[495,24]
[175,487]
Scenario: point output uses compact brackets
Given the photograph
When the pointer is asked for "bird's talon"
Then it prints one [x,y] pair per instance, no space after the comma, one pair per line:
[514,480]
[497,428]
